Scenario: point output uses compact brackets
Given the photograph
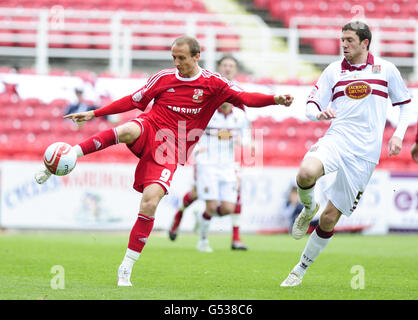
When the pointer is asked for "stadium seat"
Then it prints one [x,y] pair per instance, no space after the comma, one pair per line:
[285,10]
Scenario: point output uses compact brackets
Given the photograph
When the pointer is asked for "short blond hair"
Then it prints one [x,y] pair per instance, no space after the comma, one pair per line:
[193,44]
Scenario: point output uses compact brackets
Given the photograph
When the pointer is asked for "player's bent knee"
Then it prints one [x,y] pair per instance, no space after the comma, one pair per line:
[128,132]
[306,175]
[149,206]
[310,170]
[227,208]
[211,206]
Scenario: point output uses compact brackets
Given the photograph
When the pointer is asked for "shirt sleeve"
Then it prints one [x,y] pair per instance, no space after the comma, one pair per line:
[229,92]
[139,99]
[149,91]
[118,106]
[321,94]
[398,92]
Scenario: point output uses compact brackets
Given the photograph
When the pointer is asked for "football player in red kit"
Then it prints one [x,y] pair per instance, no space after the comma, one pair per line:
[185,98]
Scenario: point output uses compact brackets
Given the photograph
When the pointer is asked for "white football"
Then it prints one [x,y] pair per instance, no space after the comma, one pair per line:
[60,158]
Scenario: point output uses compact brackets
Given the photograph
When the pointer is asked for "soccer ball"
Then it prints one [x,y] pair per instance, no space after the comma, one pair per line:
[60,158]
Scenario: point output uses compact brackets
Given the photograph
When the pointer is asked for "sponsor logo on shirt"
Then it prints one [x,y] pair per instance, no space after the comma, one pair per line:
[185,109]
[358,90]
[224,134]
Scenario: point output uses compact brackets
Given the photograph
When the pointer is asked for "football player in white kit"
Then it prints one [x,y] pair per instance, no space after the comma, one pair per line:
[353,93]
[217,178]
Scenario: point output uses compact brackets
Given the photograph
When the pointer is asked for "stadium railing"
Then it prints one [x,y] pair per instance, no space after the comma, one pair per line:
[122,37]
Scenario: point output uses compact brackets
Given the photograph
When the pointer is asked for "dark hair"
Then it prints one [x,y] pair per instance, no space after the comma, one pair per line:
[361,29]
[227,57]
[193,44]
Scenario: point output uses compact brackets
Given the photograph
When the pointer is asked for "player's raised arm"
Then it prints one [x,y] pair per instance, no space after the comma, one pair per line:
[122,105]
[257,100]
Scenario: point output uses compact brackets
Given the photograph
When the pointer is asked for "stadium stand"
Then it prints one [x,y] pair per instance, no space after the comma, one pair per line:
[29,125]
[286,10]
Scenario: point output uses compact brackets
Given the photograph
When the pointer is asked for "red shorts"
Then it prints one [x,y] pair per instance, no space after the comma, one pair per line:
[149,170]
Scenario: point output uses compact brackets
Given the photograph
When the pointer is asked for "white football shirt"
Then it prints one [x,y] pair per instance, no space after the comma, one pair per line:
[217,144]
[360,99]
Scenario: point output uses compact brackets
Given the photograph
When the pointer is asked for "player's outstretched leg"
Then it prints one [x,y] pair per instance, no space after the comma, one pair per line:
[95,143]
[188,199]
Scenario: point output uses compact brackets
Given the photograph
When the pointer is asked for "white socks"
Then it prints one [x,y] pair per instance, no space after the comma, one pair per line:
[204,225]
[78,150]
[312,249]
[235,219]
[307,197]
[130,258]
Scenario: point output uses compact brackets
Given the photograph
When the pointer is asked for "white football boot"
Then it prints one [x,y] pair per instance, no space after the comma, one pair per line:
[124,276]
[301,224]
[42,175]
[292,280]
[203,246]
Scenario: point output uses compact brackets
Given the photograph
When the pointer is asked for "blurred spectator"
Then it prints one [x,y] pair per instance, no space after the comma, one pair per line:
[82,105]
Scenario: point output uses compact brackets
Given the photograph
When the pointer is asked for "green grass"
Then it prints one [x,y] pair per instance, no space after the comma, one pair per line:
[175,270]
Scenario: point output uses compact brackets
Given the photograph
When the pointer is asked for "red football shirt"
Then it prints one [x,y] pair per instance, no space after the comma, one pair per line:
[183,106]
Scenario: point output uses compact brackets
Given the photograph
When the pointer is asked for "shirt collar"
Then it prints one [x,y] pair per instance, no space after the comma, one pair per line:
[345,65]
[178,76]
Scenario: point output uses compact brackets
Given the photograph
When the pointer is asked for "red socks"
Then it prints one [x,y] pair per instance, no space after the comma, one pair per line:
[177,220]
[99,141]
[324,234]
[187,199]
[235,234]
[238,204]
[140,232]
[206,216]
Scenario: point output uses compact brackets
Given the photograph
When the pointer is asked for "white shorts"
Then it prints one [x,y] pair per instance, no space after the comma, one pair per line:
[352,173]
[217,183]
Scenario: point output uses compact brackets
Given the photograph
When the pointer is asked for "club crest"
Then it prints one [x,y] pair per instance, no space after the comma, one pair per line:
[376,68]
[197,95]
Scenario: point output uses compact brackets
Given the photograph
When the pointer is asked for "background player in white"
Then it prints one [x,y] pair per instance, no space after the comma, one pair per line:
[216,169]
[228,67]
[357,88]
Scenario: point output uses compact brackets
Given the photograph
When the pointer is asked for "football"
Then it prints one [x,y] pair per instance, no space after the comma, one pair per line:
[60,158]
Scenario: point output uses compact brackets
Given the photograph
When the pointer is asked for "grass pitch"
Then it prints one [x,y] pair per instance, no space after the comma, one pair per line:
[386,265]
